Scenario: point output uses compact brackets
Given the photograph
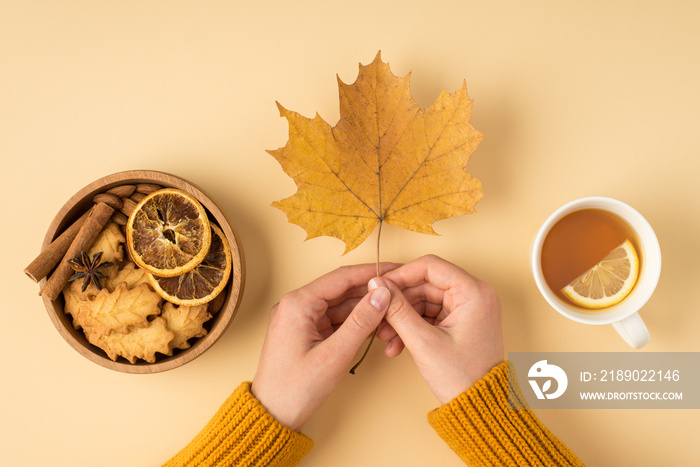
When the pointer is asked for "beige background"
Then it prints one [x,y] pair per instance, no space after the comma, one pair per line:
[574,99]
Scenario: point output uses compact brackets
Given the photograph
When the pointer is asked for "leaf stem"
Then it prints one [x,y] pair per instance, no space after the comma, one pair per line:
[374,334]
[369,344]
[379,235]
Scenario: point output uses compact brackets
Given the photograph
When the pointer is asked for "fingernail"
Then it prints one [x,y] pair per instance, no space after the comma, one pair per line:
[377,282]
[380,298]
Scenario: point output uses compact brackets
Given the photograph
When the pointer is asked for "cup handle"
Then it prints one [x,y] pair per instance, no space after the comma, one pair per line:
[633,330]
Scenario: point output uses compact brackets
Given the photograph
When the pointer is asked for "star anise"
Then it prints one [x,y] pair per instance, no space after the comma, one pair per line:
[88,269]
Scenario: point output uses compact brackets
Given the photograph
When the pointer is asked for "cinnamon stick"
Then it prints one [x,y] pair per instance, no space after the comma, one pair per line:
[52,254]
[98,217]
[114,197]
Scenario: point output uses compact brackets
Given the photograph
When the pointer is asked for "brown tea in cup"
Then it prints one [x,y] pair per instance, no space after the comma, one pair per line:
[596,224]
[578,242]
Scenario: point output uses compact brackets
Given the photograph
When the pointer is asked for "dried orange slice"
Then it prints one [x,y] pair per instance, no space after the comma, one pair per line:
[203,283]
[608,282]
[168,233]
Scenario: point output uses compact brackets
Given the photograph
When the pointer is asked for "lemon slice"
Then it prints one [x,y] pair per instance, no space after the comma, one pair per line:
[608,282]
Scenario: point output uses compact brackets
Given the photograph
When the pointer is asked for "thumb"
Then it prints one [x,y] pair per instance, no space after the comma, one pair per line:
[406,321]
[360,323]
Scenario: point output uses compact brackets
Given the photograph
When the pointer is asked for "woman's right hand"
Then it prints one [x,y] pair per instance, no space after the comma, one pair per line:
[448,320]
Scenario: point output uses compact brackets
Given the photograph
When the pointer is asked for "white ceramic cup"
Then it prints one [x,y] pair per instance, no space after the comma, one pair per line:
[623,316]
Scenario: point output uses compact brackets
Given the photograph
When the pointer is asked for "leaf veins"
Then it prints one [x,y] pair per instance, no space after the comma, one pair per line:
[386,160]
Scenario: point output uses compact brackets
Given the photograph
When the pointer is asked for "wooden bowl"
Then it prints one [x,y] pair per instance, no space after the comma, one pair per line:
[79,204]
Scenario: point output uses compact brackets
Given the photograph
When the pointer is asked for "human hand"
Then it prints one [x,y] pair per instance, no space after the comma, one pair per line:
[312,336]
[447,319]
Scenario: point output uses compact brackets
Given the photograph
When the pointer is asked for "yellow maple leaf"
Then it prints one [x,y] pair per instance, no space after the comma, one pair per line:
[386,160]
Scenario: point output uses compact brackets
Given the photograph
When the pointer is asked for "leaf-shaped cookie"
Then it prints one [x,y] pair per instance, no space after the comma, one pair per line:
[75,301]
[185,322]
[109,241]
[116,311]
[129,274]
[386,160]
[138,342]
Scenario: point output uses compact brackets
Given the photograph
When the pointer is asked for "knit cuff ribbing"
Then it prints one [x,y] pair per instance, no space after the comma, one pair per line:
[243,433]
[481,428]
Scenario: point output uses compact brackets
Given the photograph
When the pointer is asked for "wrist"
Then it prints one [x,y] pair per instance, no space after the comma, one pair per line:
[451,384]
[282,408]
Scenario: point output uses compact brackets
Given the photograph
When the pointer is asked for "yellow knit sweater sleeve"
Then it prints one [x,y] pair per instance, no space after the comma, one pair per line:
[242,433]
[483,430]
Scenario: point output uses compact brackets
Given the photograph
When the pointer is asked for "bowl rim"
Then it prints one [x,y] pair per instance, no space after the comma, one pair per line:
[80,202]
